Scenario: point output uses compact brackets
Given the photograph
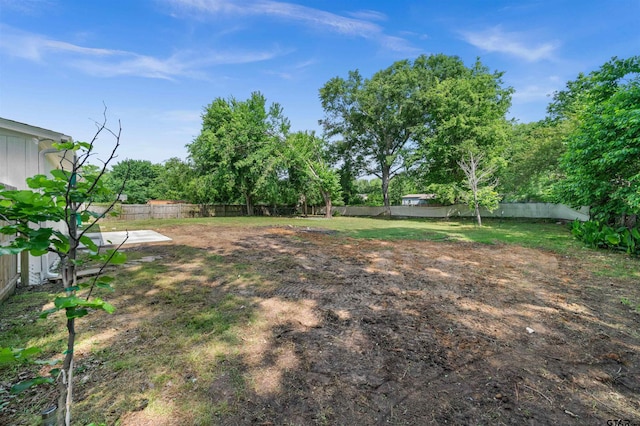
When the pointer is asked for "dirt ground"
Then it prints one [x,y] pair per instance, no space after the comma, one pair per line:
[367,332]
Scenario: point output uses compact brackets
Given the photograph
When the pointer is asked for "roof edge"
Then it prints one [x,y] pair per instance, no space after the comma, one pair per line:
[38,132]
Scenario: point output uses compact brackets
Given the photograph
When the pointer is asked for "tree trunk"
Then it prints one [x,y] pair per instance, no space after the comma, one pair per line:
[478,214]
[327,202]
[69,281]
[302,201]
[24,266]
[249,202]
[385,189]
[65,385]
[476,203]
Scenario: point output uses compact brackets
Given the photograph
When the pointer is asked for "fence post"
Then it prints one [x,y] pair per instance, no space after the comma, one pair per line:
[24,267]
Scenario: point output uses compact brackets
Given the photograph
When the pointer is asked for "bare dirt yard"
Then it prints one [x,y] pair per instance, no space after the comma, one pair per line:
[324,329]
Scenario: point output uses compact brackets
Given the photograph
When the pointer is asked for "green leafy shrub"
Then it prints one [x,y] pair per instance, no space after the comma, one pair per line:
[599,235]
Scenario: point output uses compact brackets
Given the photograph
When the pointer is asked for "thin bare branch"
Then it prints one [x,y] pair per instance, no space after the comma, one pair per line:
[105,263]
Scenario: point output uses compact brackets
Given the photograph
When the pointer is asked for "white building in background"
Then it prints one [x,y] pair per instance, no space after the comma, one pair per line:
[25,151]
[417,199]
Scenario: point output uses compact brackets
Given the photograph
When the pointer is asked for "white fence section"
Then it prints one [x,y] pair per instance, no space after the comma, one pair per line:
[505,210]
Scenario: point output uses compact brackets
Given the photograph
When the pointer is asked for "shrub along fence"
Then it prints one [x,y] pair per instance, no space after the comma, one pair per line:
[506,210]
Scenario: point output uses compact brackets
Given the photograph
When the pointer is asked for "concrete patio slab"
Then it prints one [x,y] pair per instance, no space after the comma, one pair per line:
[115,238]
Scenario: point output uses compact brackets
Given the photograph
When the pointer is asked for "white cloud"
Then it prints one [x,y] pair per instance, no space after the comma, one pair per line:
[359,26]
[369,15]
[533,93]
[131,64]
[43,44]
[110,62]
[293,71]
[316,17]
[496,40]
[33,47]
[305,64]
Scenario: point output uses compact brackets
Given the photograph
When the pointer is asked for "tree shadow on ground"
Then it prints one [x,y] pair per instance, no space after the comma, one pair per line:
[279,326]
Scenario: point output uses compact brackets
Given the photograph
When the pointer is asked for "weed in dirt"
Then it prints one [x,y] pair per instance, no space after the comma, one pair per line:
[629,304]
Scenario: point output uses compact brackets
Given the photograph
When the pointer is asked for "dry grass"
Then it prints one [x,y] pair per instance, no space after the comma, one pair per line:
[266,326]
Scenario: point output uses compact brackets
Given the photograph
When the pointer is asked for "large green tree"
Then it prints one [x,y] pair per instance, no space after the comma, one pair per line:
[532,159]
[136,177]
[379,120]
[602,159]
[423,112]
[173,181]
[467,114]
[307,155]
[236,154]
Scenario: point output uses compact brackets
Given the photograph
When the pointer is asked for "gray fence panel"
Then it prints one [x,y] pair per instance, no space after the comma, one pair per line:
[506,210]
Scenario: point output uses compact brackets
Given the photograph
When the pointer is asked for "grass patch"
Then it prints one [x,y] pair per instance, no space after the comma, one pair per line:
[536,234]
[545,235]
[217,318]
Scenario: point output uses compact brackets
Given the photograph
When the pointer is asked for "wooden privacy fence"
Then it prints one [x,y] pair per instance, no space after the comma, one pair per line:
[8,265]
[8,269]
[178,211]
[173,211]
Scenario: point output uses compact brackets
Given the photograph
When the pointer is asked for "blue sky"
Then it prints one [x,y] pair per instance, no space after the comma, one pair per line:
[156,64]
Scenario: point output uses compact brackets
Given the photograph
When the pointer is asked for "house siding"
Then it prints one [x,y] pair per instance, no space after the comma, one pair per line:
[20,158]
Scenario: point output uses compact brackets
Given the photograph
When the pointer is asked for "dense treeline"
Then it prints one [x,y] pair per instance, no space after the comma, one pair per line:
[412,128]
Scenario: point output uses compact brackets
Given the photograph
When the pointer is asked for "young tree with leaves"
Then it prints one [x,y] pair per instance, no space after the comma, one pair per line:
[480,182]
[65,197]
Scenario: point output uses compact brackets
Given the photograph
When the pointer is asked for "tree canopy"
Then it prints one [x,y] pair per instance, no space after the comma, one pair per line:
[467,114]
[138,177]
[234,155]
[379,119]
[426,112]
[532,159]
[174,179]
[602,160]
[308,155]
